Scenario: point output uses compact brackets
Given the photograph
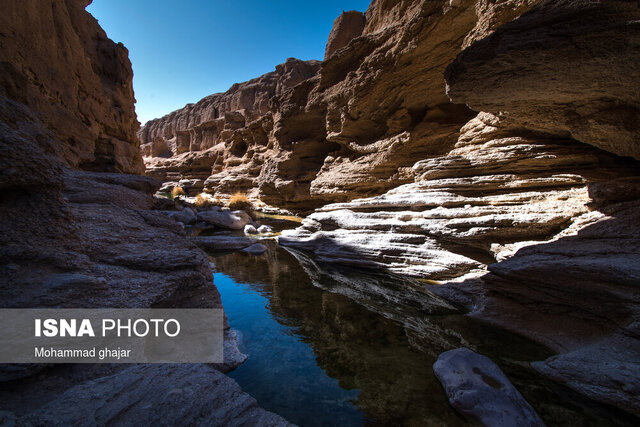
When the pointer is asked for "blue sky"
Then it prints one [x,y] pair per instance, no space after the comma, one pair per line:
[182,51]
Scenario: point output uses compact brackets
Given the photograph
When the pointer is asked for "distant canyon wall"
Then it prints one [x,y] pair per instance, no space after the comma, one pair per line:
[352,126]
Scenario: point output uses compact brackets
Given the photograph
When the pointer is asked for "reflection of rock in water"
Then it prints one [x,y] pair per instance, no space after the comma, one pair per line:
[374,333]
[356,345]
[394,297]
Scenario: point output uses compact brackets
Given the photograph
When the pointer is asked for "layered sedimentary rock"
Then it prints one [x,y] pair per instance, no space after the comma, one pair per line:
[355,129]
[523,193]
[86,97]
[74,238]
[496,188]
[346,27]
[224,139]
[586,69]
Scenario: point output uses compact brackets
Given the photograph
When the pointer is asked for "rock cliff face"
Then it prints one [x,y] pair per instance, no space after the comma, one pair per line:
[73,234]
[376,106]
[520,218]
[87,98]
[346,27]
[226,141]
[583,58]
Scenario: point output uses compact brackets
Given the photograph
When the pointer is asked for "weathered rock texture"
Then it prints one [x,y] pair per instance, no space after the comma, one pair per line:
[520,190]
[156,395]
[585,61]
[77,238]
[86,97]
[225,141]
[497,188]
[346,27]
[481,392]
[376,106]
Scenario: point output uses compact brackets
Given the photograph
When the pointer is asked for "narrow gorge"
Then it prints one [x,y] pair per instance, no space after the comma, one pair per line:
[452,174]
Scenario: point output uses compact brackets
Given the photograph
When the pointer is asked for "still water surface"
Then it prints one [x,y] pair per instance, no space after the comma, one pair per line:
[324,352]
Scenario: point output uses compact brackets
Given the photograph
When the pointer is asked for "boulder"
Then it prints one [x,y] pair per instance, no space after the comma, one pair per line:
[231,220]
[265,229]
[250,229]
[223,242]
[185,215]
[479,390]
[255,249]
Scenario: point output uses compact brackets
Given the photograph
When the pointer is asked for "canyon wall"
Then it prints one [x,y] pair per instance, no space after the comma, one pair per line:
[353,128]
[75,234]
[489,146]
[529,217]
[58,62]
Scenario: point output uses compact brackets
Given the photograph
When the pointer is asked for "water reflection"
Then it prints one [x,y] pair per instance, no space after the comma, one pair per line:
[345,347]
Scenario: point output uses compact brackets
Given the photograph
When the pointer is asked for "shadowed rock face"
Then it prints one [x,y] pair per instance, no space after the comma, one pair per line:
[73,238]
[567,67]
[57,61]
[156,394]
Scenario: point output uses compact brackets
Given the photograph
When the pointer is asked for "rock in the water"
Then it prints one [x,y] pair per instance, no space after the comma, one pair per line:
[185,215]
[255,249]
[479,390]
[189,394]
[231,220]
[265,229]
[250,229]
[223,242]
[233,357]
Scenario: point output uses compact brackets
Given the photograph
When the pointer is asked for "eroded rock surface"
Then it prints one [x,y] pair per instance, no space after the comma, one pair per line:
[158,395]
[223,141]
[346,27]
[584,58]
[74,234]
[481,392]
[57,61]
[497,188]
[341,130]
